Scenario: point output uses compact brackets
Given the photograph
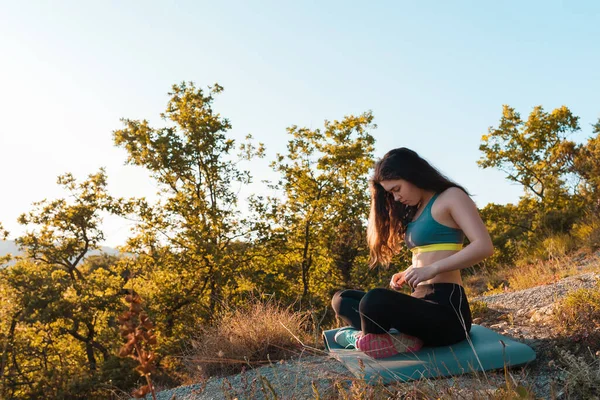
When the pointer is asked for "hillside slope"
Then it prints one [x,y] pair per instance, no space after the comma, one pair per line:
[522,315]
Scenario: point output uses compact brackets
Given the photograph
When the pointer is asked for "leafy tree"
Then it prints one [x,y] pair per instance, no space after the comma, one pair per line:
[9,317]
[586,164]
[62,302]
[187,260]
[537,154]
[534,153]
[67,231]
[325,201]
[560,179]
[511,227]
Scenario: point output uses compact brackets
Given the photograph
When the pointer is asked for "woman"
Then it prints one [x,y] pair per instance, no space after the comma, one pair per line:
[413,202]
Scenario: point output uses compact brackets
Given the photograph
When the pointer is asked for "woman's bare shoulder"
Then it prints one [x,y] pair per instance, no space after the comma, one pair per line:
[454,194]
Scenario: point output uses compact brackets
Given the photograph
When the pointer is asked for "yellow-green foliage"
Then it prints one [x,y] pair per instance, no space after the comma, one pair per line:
[551,247]
[44,313]
[495,289]
[478,308]
[557,246]
[548,248]
[256,334]
[578,313]
[587,232]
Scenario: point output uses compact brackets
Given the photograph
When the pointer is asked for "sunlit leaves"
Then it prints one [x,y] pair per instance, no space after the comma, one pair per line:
[560,178]
[62,299]
[586,164]
[532,152]
[324,201]
[66,229]
[187,243]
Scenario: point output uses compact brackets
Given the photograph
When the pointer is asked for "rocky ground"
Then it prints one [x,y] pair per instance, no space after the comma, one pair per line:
[524,315]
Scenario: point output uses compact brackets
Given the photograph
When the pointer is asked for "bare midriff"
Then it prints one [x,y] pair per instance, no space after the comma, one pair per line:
[425,259]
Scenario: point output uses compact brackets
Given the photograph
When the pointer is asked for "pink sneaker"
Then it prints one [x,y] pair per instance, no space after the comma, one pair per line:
[387,345]
[405,343]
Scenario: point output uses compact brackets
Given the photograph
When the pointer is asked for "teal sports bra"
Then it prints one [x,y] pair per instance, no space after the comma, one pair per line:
[426,234]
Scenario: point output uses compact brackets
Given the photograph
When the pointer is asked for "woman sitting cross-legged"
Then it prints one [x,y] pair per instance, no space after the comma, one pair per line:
[414,203]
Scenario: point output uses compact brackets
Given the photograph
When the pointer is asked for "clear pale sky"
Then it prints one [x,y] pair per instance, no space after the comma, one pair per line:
[435,74]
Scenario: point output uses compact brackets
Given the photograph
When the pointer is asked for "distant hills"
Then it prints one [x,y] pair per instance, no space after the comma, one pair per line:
[9,247]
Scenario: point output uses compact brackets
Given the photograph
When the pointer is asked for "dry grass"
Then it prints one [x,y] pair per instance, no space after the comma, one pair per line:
[484,280]
[500,386]
[578,315]
[256,334]
[582,375]
[541,273]
[556,246]
[531,275]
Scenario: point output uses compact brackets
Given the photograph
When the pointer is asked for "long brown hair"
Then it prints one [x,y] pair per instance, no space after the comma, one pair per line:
[388,219]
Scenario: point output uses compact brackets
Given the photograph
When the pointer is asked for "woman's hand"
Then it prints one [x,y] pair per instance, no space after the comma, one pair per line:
[398,280]
[414,276]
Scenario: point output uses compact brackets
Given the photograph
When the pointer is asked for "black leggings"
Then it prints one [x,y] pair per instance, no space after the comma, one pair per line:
[438,313]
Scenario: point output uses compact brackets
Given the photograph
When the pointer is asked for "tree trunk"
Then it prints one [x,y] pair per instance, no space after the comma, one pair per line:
[306,262]
[89,351]
[215,293]
[90,344]
[8,345]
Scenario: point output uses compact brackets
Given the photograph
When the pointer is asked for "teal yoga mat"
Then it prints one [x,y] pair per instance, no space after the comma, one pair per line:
[488,350]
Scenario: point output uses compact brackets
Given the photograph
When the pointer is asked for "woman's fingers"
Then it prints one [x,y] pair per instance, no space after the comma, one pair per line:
[397,281]
[411,278]
[401,279]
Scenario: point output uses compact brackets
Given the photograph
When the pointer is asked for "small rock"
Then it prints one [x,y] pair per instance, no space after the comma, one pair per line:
[522,311]
[542,315]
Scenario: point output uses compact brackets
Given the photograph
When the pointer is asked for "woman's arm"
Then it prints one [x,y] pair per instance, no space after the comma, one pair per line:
[465,214]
